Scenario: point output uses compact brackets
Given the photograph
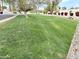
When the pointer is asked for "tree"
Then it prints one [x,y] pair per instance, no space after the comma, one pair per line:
[64,8]
[35,4]
[11,4]
[24,6]
[52,5]
[1,6]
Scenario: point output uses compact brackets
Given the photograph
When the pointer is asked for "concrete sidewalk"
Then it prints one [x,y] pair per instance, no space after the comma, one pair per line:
[7,18]
[74,48]
[4,16]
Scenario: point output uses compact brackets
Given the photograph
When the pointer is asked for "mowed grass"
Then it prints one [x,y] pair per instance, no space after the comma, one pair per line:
[36,37]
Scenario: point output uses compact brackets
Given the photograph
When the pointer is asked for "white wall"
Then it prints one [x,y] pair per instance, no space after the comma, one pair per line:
[68,11]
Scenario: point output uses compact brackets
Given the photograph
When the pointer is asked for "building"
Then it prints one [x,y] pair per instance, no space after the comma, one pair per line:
[69,12]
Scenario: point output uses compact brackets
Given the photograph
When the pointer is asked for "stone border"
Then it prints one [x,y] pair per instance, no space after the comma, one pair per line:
[7,19]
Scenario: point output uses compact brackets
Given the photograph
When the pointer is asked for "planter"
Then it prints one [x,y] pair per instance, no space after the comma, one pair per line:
[77,13]
[71,14]
[62,13]
[54,13]
[65,13]
[58,13]
[1,12]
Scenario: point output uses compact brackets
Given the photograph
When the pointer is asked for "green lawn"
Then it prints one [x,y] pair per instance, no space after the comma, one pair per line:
[36,37]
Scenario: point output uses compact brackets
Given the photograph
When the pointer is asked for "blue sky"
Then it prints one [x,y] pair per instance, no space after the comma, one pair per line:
[42,6]
[69,3]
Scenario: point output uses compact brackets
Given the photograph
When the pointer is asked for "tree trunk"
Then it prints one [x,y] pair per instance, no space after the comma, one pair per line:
[10,9]
[2,6]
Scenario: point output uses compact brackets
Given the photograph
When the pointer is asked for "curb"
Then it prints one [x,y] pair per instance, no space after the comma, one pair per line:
[4,20]
[72,53]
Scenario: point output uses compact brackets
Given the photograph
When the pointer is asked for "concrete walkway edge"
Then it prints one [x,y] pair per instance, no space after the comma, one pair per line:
[7,19]
[74,48]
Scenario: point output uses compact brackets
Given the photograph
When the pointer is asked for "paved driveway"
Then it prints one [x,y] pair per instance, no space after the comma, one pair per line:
[5,16]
